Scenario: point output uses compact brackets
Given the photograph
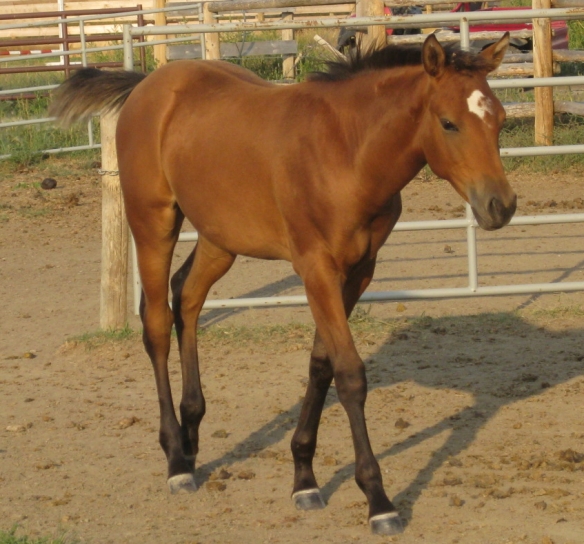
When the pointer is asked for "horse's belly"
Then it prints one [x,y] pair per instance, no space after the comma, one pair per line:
[240,218]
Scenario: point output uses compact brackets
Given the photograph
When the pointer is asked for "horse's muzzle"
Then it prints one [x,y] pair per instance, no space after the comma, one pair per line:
[496,213]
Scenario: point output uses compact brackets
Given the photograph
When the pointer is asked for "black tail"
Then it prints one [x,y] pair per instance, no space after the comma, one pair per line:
[90,91]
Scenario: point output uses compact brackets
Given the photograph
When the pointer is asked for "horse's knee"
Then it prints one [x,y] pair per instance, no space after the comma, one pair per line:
[303,446]
[351,386]
[192,409]
[320,371]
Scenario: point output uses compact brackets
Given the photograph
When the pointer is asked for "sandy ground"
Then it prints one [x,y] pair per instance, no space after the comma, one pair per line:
[475,406]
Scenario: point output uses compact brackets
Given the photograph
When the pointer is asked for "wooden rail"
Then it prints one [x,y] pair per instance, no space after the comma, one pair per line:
[64,36]
[236,50]
[245,5]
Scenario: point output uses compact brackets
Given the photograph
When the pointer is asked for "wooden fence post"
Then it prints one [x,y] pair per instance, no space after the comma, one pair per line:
[212,49]
[160,20]
[114,231]
[376,36]
[288,65]
[543,67]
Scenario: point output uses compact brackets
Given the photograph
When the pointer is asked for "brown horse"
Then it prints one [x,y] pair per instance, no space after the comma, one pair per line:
[310,173]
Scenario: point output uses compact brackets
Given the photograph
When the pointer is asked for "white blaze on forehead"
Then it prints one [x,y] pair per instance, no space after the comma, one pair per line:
[479,104]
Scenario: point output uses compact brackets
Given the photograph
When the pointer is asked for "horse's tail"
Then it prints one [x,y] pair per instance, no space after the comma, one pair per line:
[90,91]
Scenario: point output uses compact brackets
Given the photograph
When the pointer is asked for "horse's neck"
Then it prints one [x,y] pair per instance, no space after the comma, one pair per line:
[391,121]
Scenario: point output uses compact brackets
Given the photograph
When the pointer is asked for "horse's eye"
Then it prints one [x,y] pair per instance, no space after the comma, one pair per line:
[448,125]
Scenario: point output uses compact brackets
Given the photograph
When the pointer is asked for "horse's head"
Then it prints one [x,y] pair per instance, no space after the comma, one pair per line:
[461,129]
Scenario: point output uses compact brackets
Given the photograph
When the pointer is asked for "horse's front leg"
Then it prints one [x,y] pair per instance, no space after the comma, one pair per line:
[325,289]
[306,493]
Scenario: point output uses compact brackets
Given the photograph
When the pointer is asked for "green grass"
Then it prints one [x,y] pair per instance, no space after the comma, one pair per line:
[33,185]
[31,213]
[568,130]
[569,311]
[97,338]
[10,537]
[364,327]
[576,34]
[362,324]
[23,143]
[312,56]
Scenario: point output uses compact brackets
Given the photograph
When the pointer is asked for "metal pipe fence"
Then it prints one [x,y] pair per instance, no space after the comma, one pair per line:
[403,21]
[463,21]
[473,289]
[81,17]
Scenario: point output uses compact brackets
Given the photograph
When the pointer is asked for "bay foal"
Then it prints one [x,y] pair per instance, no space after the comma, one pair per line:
[310,173]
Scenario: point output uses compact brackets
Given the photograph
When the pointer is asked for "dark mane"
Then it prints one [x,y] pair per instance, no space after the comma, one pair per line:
[394,56]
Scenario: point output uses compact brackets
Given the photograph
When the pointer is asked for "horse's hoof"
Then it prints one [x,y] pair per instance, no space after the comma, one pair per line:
[182,482]
[308,499]
[386,524]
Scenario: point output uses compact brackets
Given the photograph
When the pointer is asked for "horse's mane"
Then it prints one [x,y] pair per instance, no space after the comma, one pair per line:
[393,56]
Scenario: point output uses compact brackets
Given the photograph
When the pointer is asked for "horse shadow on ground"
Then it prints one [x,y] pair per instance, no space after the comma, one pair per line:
[499,359]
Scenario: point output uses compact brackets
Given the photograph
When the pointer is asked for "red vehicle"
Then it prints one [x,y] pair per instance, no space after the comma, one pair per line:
[559,28]
[347,36]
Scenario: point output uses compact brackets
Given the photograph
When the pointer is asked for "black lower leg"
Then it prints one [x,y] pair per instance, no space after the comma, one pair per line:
[383,517]
[304,441]
[193,412]
[169,434]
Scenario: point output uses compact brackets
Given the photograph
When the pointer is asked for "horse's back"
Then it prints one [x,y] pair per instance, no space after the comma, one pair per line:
[193,82]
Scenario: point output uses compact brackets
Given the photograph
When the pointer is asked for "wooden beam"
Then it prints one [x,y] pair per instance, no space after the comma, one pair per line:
[114,230]
[376,36]
[159,20]
[288,64]
[449,37]
[515,69]
[244,5]
[567,3]
[575,108]
[236,50]
[517,110]
[543,67]
[568,55]
[403,3]
[212,51]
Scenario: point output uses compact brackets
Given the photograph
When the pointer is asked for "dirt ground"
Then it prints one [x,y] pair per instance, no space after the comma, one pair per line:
[474,411]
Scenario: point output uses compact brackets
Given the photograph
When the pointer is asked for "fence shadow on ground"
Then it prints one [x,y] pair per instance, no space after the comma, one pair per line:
[499,359]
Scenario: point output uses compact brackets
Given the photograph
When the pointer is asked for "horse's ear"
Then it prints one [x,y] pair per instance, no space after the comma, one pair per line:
[433,56]
[495,52]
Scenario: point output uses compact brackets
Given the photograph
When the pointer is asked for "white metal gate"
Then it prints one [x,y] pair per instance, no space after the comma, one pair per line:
[417,21]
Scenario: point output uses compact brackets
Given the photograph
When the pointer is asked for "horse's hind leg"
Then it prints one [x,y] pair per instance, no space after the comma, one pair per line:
[306,494]
[156,232]
[190,286]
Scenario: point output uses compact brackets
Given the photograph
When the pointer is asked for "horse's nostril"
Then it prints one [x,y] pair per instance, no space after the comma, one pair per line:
[496,208]
[499,212]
